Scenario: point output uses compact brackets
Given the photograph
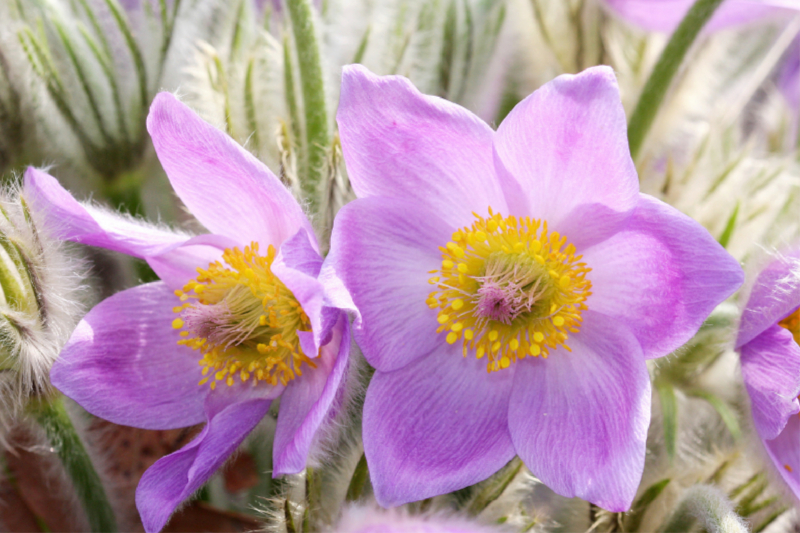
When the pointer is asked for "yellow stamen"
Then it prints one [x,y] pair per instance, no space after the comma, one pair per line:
[512,287]
[792,323]
[243,320]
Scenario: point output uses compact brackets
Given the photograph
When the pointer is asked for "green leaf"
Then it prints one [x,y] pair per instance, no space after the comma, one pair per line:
[83,79]
[661,78]
[358,481]
[136,53]
[750,481]
[362,47]
[633,519]
[669,414]
[291,96]
[250,104]
[727,414]
[494,487]
[725,238]
[769,520]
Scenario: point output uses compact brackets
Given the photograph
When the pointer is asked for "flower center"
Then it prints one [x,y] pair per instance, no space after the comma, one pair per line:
[792,323]
[243,320]
[509,289]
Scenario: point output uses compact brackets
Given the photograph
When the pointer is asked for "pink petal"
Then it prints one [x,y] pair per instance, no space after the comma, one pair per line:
[173,256]
[92,225]
[229,191]
[437,425]
[297,265]
[123,363]
[785,452]
[771,372]
[383,257]
[661,277]
[308,401]
[565,146]
[775,294]
[400,143]
[579,419]
[173,478]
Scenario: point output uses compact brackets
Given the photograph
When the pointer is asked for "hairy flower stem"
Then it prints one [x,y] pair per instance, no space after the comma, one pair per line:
[709,506]
[53,418]
[494,487]
[358,481]
[317,135]
[661,78]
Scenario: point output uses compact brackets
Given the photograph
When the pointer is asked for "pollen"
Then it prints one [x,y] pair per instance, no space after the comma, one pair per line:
[243,321]
[509,289]
[792,323]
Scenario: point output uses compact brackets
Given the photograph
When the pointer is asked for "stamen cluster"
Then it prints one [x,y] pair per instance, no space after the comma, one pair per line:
[243,320]
[792,323]
[509,288]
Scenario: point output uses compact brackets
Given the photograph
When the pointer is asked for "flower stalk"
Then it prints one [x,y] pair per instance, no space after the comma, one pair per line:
[661,78]
[317,135]
[54,420]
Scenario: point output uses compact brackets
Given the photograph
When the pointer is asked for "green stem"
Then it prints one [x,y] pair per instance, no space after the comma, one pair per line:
[358,481]
[314,108]
[53,418]
[494,487]
[660,79]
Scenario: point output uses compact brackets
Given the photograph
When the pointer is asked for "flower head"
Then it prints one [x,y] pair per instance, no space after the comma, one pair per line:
[770,358]
[237,320]
[509,287]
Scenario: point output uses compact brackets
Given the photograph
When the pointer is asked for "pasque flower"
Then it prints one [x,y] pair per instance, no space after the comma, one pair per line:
[510,286]
[243,301]
[770,357]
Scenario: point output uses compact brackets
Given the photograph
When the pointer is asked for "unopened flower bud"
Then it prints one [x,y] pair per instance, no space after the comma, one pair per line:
[39,305]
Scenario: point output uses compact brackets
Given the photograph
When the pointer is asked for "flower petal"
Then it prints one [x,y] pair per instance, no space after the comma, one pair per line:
[400,143]
[177,266]
[92,225]
[566,145]
[229,191]
[579,419]
[297,265]
[437,425]
[383,257]
[771,372]
[775,294]
[308,401]
[662,276]
[173,256]
[177,476]
[123,363]
[785,454]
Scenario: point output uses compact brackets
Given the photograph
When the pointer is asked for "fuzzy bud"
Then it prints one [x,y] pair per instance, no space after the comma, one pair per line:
[39,304]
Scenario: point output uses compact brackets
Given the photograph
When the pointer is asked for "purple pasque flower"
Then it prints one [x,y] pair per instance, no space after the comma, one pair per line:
[243,301]
[528,252]
[770,356]
[665,15]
